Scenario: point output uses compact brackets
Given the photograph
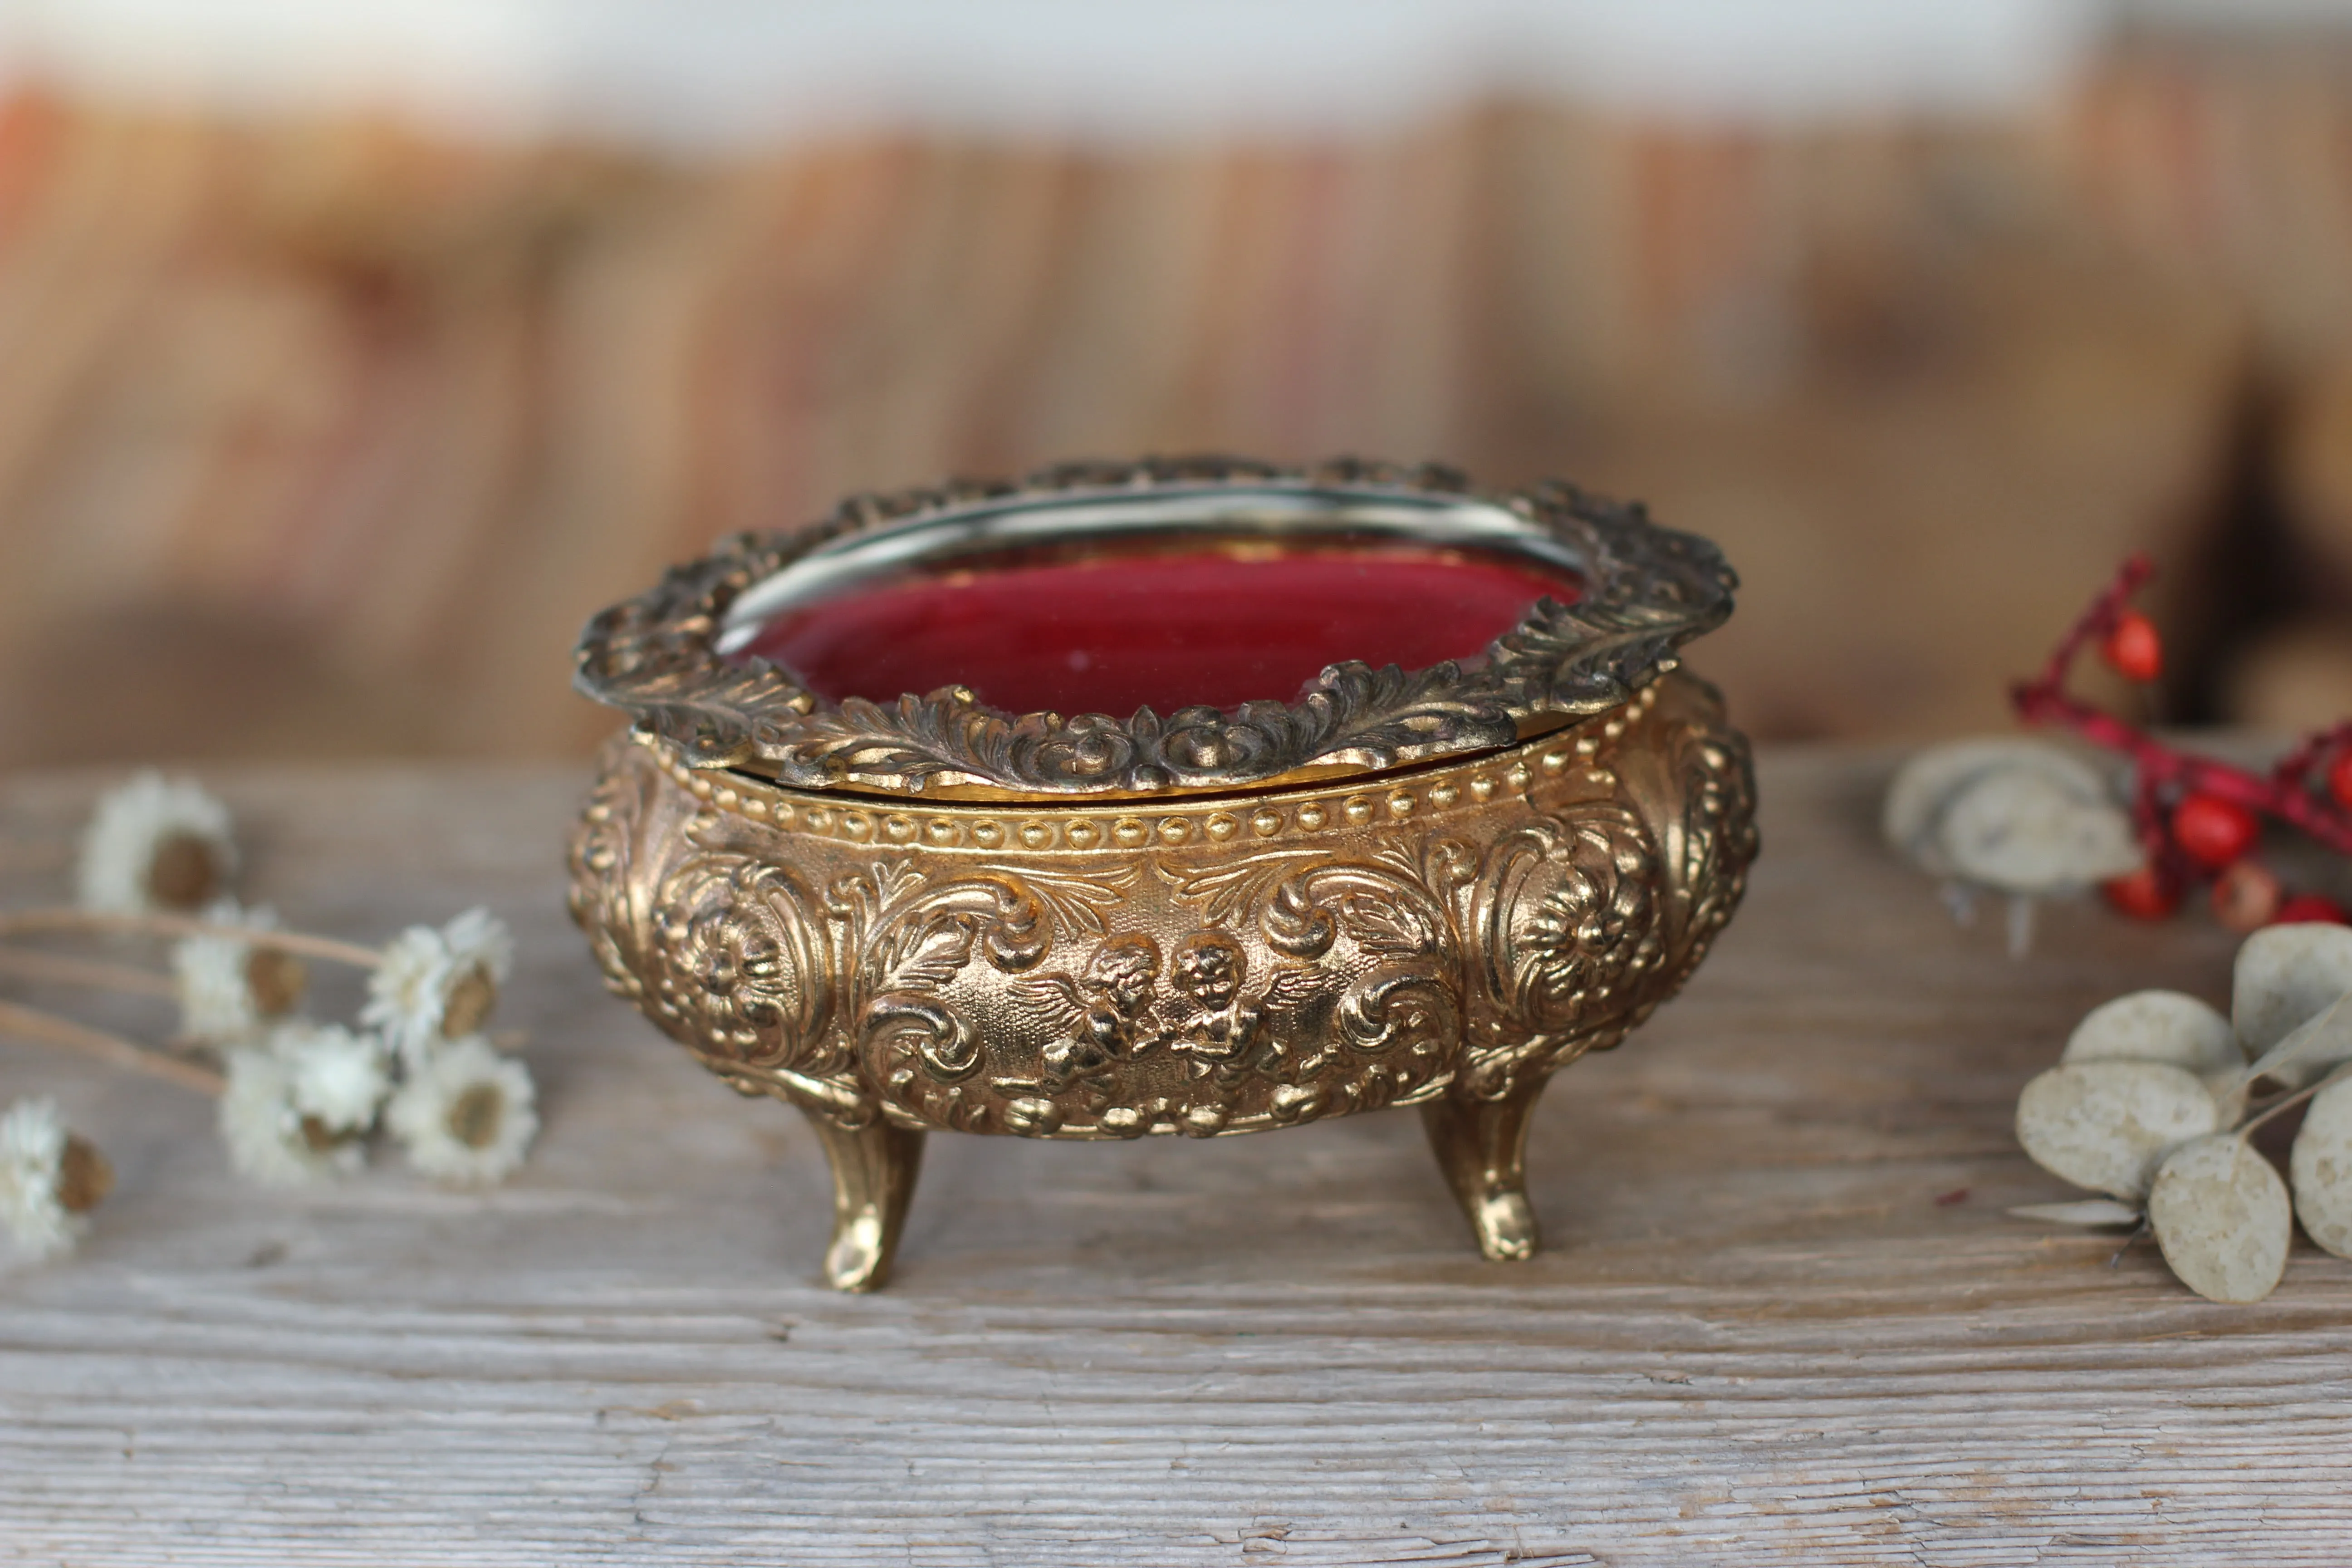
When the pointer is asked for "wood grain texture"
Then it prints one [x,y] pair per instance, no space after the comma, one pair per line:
[1757,1336]
[292,412]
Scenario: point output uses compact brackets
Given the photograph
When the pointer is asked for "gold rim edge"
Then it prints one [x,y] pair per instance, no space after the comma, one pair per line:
[1652,589]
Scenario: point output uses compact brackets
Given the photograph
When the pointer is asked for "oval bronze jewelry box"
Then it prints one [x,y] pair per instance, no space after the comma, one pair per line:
[1411,807]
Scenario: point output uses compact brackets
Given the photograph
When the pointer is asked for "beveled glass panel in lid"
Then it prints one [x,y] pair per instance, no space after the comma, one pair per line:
[1165,602]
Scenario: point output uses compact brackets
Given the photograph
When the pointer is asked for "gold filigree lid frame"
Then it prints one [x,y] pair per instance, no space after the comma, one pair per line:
[663,656]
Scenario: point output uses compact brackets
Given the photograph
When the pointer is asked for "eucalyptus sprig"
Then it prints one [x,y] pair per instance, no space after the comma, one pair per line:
[2157,1099]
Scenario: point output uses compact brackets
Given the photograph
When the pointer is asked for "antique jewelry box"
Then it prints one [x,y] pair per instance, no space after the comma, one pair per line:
[1196,797]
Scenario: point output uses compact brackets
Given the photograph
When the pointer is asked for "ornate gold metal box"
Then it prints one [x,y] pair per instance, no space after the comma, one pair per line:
[1430,885]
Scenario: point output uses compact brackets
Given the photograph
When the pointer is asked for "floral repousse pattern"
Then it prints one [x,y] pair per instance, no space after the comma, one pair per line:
[1648,591]
[742,967]
[1310,955]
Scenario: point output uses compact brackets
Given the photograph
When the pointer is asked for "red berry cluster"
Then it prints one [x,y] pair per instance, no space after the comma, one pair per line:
[2200,820]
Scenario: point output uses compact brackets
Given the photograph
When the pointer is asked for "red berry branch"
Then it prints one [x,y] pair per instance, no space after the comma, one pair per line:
[2196,816]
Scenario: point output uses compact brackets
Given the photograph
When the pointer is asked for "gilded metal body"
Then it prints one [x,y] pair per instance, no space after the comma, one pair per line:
[1446,938]
[1431,888]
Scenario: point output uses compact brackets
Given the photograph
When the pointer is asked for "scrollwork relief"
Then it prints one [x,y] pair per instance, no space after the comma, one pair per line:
[1365,1003]
[603,855]
[1097,1020]
[1718,796]
[1200,988]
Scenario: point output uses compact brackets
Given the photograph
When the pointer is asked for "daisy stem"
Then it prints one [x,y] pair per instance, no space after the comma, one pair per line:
[153,924]
[100,976]
[32,1024]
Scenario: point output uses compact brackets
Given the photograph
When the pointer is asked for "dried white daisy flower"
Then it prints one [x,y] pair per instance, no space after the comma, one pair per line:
[230,988]
[437,985]
[269,1138]
[48,1178]
[338,1077]
[156,844]
[466,1115]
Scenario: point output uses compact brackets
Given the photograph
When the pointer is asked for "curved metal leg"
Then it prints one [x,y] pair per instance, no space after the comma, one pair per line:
[1481,1145]
[874,1172]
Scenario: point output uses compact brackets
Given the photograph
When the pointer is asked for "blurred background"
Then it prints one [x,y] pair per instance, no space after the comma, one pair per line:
[352,355]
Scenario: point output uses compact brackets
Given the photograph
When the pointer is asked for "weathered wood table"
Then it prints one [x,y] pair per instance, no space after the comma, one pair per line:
[1783,1316]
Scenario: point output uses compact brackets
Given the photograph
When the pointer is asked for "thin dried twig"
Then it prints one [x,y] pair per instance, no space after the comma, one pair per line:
[32,1024]
[100,976]
[319,947]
